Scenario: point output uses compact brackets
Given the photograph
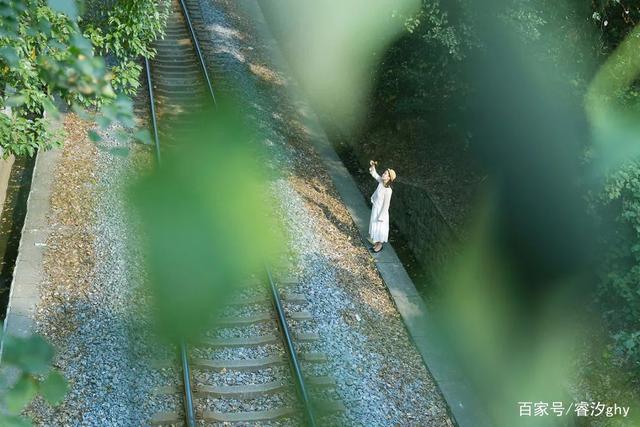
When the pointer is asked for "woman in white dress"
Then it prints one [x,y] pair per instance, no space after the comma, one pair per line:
[379,222]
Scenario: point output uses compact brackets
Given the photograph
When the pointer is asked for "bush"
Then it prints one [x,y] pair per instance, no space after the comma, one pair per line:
[618,292]
[127,31]
[43,55]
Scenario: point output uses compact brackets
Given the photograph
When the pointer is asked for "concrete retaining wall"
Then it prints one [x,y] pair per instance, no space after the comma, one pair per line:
[28,272]
[417,217]
[5,172]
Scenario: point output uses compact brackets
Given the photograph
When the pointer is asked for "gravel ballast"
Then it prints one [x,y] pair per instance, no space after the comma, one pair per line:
[91,308]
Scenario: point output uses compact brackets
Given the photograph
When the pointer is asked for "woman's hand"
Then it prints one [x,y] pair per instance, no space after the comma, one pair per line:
[372,163]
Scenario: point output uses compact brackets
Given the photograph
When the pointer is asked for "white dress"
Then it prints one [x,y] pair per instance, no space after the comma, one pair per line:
[379,222]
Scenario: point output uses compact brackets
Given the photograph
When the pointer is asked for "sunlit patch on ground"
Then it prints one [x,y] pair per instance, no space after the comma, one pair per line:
[226,32]
[267,74]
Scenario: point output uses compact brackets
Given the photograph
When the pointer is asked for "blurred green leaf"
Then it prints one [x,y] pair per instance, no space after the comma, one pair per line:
[204,220]
[14,421]
[80,45]
[108,91]
[119,151]
[144,136]
[103,121]
[32,354]
[94,136]
[68,7]
[54,388]
[20,394]
[51,110]
[15,100]
[80,111]
[10,55]
[123,134]
[6,11]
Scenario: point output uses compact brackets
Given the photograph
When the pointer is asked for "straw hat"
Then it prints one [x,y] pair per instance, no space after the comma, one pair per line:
[392,174]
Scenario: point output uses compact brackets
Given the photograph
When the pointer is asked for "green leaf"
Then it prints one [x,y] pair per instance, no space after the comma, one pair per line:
[54,388]
[127,120]
[81,44]
[20,394]
[68,7]
[44,27]
[107,91]
[10,55]
[51,109]
[80,111]
[119,151]
[32,354]
[103,121]
[6,11]
[14,421]
[123,135]
[15,100]
[94,136]
[143,136]
[109,111]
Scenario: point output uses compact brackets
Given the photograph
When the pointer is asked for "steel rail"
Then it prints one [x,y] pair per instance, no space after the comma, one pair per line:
[190,415]
[196,45]
[154,121]
[291,351]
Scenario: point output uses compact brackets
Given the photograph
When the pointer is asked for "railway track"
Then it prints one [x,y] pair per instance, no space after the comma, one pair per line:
[249,367]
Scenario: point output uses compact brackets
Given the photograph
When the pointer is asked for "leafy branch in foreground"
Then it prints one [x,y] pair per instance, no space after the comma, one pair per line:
[44,57]
[31,375]
[126,31]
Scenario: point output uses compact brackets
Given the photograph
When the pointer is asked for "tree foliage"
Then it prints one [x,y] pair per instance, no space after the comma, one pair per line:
[126,30]
[618,291]
[45,58]
[42,54]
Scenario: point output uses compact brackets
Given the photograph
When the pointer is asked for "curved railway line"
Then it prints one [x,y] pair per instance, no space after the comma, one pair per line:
[178,83]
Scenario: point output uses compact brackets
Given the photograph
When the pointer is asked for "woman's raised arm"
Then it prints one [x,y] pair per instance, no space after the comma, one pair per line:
[372,171]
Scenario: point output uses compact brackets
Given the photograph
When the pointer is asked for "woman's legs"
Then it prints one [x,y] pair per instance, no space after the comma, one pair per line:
[377,247]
